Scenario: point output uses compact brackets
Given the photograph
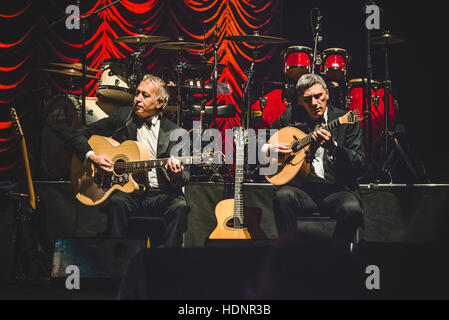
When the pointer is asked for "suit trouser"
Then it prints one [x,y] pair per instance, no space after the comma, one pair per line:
[329,200]
[154,203]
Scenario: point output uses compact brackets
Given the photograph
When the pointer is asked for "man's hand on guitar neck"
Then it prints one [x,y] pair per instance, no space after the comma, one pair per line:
[174,168]
[324,139]
[102,161]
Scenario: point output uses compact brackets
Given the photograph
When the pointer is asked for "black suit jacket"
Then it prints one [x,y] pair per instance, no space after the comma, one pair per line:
[121,127]
[348,160]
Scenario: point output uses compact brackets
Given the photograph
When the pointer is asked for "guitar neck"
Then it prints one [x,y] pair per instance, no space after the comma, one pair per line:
[238,185]
[151,164]
[28,175]
[308,139]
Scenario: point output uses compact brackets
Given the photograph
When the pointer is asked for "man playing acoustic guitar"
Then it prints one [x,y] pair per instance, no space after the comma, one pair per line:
[331,188]
[143,123]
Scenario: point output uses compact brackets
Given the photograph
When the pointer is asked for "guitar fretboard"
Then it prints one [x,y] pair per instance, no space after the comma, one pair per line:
[150,164]
[308,139]
[238,185]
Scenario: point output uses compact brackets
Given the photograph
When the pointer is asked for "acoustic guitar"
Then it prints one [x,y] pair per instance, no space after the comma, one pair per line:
[296,167]
[131,159]
[234,221]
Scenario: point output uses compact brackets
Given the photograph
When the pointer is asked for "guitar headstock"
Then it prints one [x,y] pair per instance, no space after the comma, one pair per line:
[351,117]
[16,122]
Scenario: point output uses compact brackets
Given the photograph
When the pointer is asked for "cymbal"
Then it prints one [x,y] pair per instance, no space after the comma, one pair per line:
[141,38]
[257,39]
[77,66]
[70,72]
[180,45]
[387,39]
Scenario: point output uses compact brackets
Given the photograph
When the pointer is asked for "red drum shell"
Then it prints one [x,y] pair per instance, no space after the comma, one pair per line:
[297,61]
[335,63]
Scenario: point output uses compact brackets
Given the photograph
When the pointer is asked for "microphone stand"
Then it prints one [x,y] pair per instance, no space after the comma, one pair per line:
[246,91]
[367,105]
[317,39]
[215,85]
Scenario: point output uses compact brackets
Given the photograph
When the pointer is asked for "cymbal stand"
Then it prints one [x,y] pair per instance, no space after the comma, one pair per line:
[390,136]
[367,103]
[179,72]
[317,39]
[215,77]
[247,91]
[136,66]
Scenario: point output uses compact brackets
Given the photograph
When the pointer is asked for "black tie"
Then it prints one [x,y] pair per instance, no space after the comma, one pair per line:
[141,121]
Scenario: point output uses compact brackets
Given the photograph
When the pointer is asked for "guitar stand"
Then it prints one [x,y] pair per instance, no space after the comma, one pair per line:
[30,260]
[388,166]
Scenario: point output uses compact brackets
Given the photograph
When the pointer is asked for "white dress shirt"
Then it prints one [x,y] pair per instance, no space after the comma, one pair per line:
[148,135]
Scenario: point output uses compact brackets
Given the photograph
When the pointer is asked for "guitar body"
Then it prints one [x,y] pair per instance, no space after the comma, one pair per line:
[90,186]
[295,170]
[225,225]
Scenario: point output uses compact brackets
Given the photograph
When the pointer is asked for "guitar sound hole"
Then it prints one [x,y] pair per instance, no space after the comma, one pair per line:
[234,223]
[119,167]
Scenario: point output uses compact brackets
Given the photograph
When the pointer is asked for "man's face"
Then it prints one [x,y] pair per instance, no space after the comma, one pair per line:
[314,100]
[146,99]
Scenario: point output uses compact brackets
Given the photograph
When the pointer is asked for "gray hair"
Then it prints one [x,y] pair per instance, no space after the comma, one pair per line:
[163,92]
[308,80]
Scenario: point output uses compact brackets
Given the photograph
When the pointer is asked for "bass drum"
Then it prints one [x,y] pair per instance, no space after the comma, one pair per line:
[60,116]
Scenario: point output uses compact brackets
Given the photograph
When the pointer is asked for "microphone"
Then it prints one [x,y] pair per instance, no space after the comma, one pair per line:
[319,20]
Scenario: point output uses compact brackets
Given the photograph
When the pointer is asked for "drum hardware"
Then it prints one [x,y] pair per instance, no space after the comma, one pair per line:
[247,92]
[385,40]
[263,103]
[348,102]
[179,46]
[223,111]
[375,99]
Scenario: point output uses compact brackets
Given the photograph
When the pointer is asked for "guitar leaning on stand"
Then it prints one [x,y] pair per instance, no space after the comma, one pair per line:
[31,261]
[231,214]
[295,168]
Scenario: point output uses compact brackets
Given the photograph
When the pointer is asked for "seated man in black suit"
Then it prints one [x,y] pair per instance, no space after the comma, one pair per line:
[331,188]
[142,122]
